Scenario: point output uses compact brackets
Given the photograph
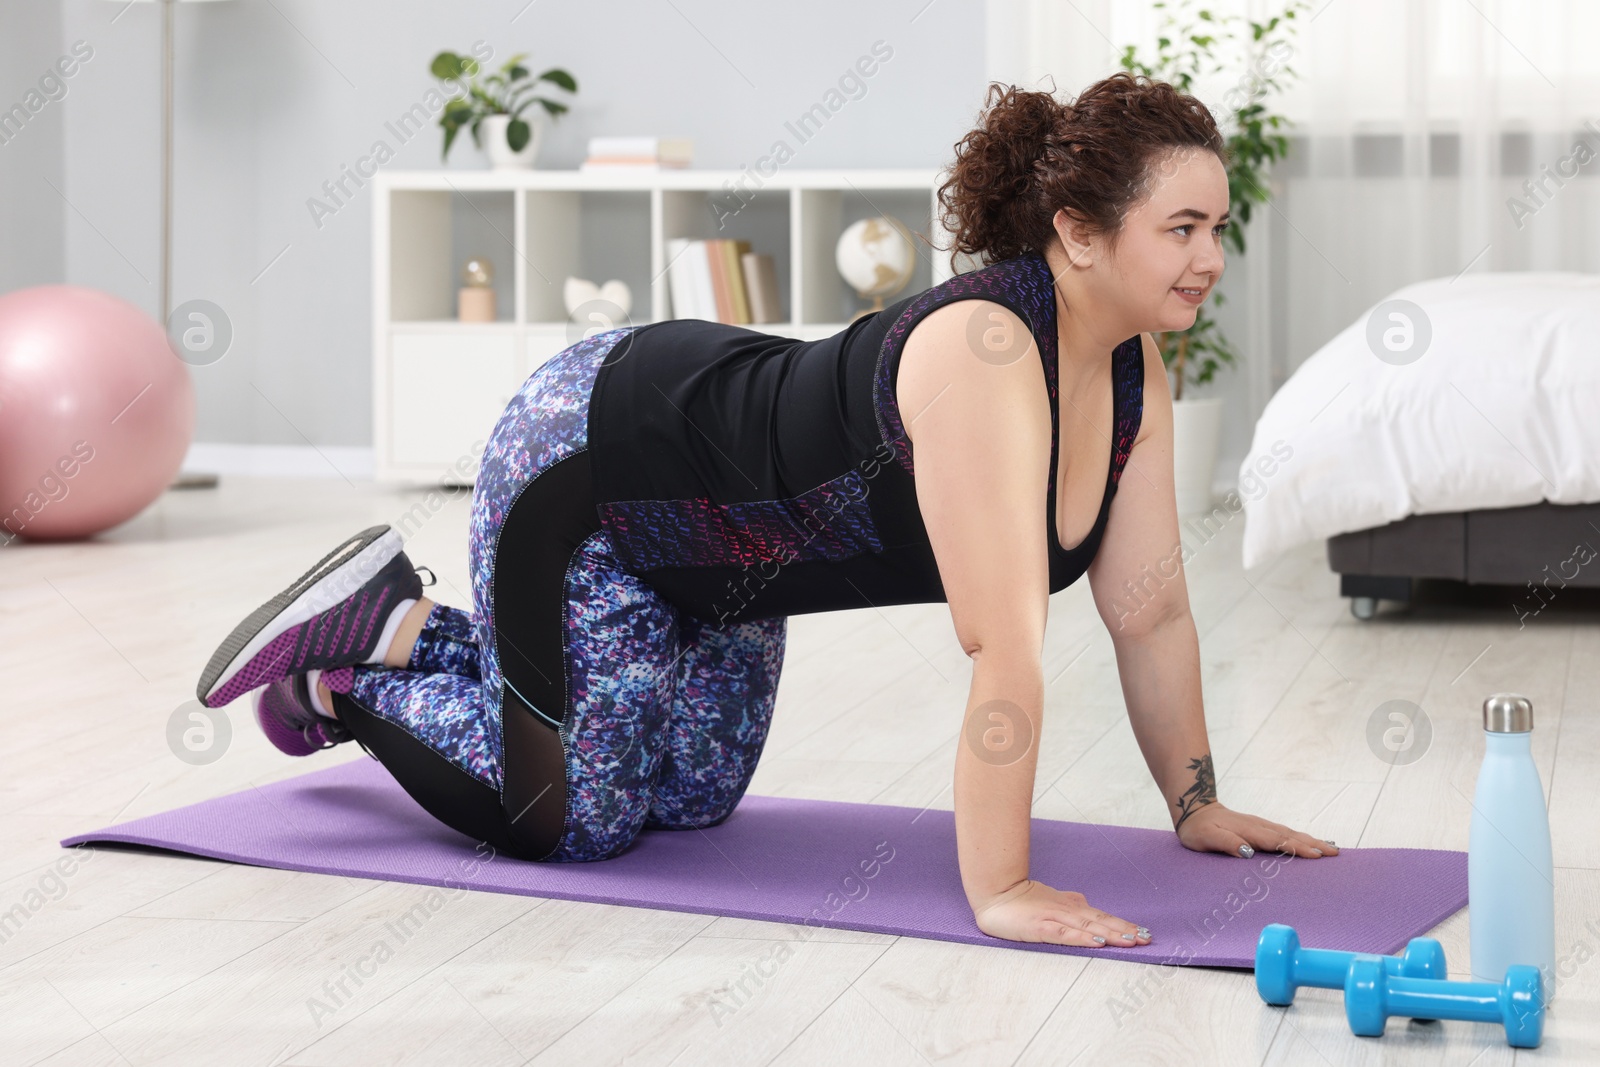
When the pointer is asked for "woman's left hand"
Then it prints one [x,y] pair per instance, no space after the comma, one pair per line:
[1216,828]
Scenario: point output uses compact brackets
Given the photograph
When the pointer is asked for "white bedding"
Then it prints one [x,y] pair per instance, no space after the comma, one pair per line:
[1501,409]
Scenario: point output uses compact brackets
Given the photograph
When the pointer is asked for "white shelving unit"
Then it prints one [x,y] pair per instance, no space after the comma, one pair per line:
[439,385]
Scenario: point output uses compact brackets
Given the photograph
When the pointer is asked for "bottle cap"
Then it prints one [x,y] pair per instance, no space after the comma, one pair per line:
[1507,713]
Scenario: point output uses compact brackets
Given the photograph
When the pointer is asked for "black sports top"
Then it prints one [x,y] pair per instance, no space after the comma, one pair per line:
[745,475]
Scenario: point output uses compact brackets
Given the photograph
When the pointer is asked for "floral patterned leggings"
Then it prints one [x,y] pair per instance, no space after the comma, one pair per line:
[580,708]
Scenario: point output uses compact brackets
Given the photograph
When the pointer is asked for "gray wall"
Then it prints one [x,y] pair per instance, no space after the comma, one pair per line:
[32,213]
[274,97]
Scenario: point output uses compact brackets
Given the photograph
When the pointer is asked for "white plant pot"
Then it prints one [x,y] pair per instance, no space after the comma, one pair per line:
[1196,429]
[501,157]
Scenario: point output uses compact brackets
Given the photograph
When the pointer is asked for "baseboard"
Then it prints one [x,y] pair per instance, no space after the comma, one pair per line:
[281,461]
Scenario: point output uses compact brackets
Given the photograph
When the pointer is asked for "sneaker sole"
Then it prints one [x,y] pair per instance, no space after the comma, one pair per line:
[333,578]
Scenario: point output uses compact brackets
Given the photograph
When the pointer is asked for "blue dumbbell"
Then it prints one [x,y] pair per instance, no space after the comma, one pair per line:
[1282,966]
[1371,996]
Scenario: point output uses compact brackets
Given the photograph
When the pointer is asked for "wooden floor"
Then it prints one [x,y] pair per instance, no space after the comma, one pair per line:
[146,958]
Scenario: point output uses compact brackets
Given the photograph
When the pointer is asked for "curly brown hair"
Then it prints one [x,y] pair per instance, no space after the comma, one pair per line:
[1031,155]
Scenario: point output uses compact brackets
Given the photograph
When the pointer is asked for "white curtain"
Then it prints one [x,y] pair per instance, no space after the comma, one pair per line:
[1431,138]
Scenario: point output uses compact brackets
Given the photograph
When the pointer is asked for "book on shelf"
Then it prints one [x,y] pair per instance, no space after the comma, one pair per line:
[731,306]
[721,280]
[638,153]
[761,282]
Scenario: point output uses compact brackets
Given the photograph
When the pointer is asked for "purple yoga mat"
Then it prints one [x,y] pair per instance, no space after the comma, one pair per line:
[874,867]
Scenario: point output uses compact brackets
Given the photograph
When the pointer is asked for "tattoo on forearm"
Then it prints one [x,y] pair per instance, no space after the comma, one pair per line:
[1203,792]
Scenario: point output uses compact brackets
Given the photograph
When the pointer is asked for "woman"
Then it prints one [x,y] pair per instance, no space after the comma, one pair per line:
[658,499]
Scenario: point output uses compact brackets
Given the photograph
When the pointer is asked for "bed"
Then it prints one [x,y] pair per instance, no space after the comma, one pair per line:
[1451,432]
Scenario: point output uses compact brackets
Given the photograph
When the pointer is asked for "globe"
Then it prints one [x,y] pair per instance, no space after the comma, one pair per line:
[875,257]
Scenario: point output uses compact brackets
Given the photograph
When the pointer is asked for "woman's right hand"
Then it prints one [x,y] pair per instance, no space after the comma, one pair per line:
[1033,911]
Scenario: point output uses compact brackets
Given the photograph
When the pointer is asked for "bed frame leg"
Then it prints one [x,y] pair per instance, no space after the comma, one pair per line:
[1365,590]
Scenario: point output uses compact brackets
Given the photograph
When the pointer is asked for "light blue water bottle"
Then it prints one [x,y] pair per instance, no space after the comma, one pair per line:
[1510,876]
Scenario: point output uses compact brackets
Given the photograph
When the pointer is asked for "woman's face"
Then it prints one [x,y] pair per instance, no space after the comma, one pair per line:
[1170,240]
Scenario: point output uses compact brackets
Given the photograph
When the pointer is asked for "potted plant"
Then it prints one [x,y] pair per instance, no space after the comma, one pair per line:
[1185,44]
[493,105]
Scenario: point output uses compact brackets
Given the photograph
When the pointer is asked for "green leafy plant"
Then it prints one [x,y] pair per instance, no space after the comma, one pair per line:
[507,91]
[1186,48]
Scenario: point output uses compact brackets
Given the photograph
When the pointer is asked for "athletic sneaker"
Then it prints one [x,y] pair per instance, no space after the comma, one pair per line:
[332,616]
[292,722]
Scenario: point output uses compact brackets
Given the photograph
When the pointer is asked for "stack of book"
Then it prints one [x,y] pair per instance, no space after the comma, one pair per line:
[638,153]
[721,280]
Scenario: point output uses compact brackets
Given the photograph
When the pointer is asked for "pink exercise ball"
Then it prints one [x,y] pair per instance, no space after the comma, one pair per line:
[96,412]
